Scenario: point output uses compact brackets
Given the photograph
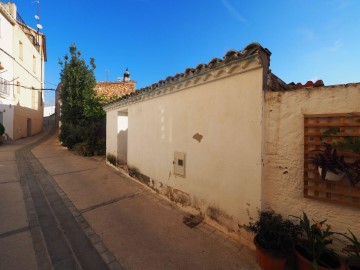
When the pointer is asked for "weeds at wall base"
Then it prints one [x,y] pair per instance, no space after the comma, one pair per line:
[212,215]
[111,159]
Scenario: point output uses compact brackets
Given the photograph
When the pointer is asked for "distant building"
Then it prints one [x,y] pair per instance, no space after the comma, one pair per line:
[49,110]
[108,90]
[113,90]
[22,57]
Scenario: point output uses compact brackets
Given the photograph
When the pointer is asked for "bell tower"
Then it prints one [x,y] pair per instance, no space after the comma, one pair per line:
[126,75]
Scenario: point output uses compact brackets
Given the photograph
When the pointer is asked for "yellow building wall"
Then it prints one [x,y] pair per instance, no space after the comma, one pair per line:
[24,127]
[28,72]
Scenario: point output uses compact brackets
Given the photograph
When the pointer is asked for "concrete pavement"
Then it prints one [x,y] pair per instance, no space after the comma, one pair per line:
[16,246]
[96,212]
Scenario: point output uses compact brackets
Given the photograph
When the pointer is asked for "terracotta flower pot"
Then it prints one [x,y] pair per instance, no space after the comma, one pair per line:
[266,260]
[353,266]
[304,264]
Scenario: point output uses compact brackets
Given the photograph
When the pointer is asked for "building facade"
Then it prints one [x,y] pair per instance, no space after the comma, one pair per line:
[22,57]
[227,138]
[107,91]
[114,90]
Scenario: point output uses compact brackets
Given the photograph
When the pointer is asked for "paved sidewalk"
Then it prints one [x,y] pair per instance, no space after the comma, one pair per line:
[16,246]
[128,225]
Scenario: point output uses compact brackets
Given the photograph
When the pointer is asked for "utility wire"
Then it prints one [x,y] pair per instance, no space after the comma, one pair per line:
[29,88]
[51,83]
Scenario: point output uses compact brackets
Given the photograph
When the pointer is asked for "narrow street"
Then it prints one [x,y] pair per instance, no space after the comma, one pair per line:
[63,211]
[66,243]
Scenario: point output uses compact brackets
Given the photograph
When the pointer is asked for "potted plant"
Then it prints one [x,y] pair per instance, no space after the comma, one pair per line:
[331,165]
[311,249]
[352,170]
[274,239]
[334,167]
[353,260]
[2,131]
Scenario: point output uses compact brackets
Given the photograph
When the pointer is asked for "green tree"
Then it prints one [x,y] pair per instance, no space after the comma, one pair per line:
[82,117]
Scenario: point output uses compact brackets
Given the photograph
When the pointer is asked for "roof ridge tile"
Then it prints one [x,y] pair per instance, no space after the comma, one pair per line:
[230,56]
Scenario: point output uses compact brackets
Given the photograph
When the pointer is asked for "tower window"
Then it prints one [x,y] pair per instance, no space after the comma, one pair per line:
[34,63]
[21,50]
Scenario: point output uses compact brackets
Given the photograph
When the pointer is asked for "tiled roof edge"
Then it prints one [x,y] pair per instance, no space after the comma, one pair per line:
[115,82]
[30,28]
[310,85]
[230,56]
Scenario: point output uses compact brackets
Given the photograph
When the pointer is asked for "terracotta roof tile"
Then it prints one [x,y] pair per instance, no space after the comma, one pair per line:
[231,55]
[318,83]
[117,89]
[276,84]
[215,62]
[308,84]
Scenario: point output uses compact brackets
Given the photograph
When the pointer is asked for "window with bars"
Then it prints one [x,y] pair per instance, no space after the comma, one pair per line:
[4,86]
[33,98]
[34,63]
[21,50]
[18,88]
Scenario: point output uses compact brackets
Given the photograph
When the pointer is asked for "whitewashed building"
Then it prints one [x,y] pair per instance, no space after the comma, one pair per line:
[229,138]
[22,57]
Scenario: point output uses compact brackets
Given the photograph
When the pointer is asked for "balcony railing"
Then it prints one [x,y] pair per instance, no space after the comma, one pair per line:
[18,18]
[4,87]
[28,33]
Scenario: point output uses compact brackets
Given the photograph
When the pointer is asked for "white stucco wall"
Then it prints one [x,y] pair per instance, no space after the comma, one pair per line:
[8,118]
[6,50]
[111,132]
[223,170]
[284,149]
[26,103]
[122,136]
[49,110]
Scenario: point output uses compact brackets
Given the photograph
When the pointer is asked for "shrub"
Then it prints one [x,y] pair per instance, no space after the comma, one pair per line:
[81,148]
[2,129]
[82,117]
[274,233]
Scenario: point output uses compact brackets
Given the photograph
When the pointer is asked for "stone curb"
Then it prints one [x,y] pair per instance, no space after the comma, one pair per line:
[42,254]
[96,241]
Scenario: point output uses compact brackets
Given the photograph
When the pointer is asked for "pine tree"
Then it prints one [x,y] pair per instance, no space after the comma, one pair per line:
[82,117]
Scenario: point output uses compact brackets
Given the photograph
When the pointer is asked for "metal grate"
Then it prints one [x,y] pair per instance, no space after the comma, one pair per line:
[340,192]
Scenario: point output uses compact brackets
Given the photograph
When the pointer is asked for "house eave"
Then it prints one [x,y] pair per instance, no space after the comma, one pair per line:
[7,14]
[191,77]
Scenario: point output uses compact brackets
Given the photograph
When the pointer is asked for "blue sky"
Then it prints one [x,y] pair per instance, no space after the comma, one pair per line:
[309,39]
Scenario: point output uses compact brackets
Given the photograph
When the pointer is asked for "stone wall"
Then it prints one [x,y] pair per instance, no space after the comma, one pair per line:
[284,151]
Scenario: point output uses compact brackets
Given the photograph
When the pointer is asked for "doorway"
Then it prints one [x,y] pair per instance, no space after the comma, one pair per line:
[122,136]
